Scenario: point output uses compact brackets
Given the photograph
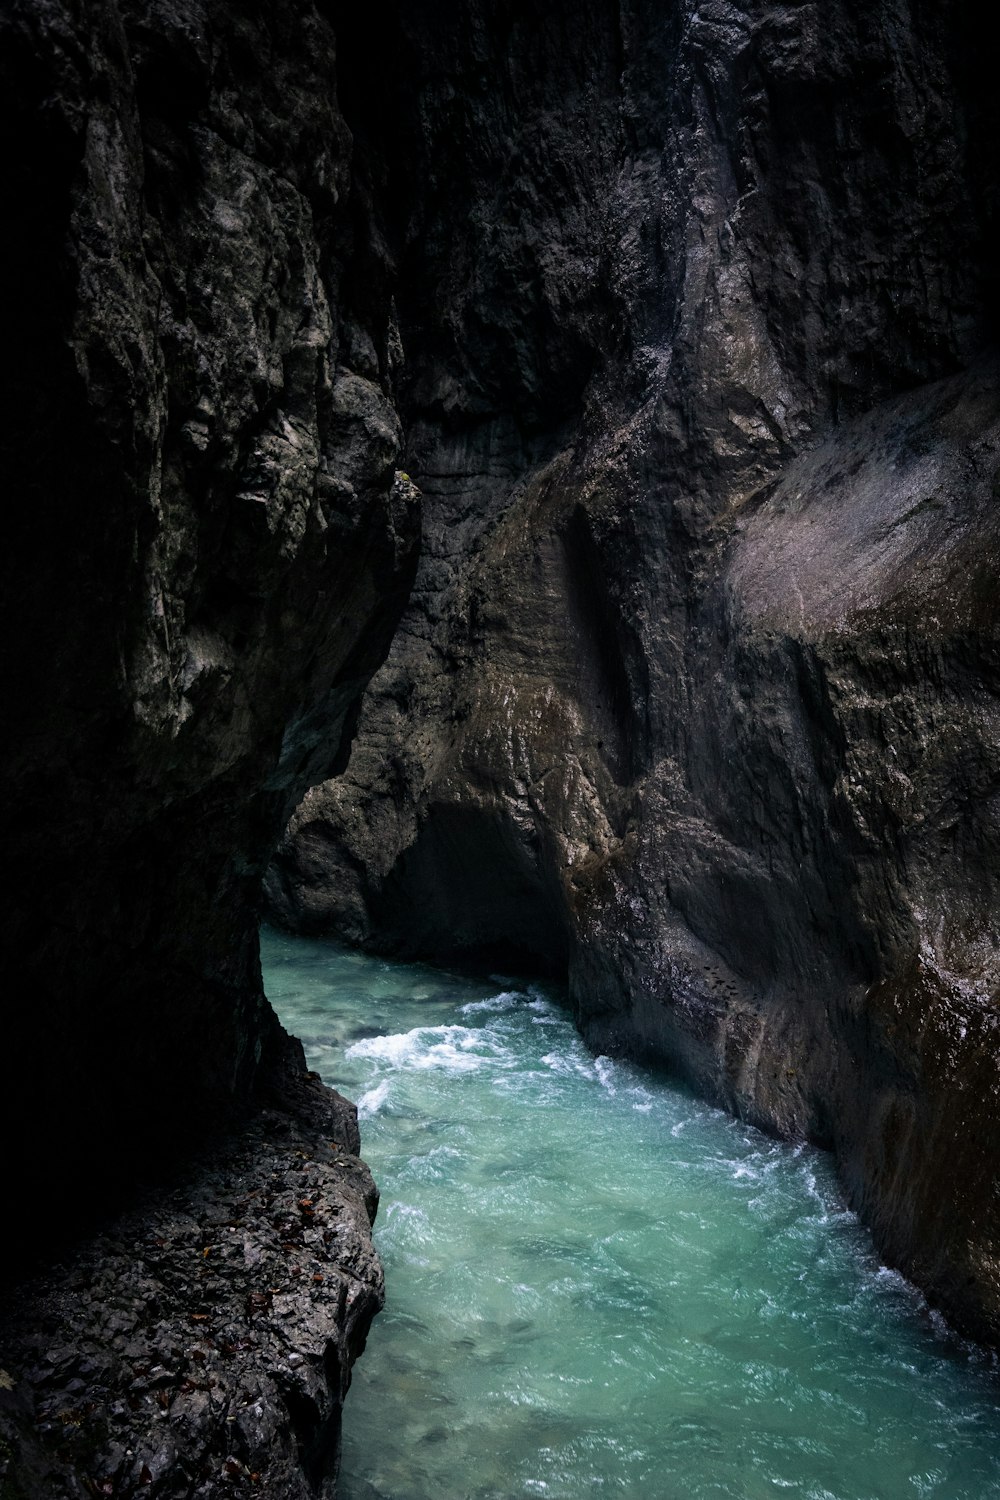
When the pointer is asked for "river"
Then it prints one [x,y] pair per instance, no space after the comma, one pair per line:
[599,1285]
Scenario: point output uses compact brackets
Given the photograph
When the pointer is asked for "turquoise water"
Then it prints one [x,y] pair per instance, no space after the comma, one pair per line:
[598,1285]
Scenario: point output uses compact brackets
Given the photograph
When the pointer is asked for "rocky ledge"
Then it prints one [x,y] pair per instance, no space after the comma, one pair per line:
[202,1344]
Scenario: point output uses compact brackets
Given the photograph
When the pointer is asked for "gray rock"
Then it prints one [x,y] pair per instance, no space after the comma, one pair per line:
[675,315]
[696,700]
[206,552]
[213,1328]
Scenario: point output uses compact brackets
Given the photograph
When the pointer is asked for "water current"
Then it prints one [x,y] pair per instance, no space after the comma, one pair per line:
[599,1285]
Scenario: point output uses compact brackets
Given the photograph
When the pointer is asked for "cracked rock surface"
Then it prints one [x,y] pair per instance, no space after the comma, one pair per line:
[202,1344]
[207,551]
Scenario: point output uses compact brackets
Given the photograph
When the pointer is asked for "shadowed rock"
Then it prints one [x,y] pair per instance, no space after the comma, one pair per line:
[696,695]
[206,552]
[203,1343]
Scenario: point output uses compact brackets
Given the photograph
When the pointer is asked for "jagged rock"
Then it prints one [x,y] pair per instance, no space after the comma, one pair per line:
[676,288]
[203,1343]
[206,553]
[697,695]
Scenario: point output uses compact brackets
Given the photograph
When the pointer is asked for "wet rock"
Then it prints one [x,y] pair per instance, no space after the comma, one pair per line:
[206,552]
[205,1340]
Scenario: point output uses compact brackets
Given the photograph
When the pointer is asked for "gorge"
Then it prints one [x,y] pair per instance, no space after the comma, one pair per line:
[611,386]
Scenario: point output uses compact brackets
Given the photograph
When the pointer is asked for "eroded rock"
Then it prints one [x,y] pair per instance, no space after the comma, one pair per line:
[697,694]
[206,551]
[202,1344]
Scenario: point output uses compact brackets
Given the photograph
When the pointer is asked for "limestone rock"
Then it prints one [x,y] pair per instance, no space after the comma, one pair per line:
[206,553]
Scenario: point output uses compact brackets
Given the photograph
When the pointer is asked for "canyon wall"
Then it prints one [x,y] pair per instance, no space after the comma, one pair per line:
[206,549]
[679,318]
[696,699]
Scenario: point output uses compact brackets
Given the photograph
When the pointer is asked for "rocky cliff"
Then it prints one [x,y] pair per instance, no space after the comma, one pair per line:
[206,551]
[205,555]
[679,317]
[696,699]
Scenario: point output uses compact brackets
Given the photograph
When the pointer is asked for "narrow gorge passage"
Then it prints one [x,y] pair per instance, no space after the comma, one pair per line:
[510,479]
[598,1284]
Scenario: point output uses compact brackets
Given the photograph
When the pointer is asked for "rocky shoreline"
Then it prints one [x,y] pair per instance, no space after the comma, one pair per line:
[202,1344]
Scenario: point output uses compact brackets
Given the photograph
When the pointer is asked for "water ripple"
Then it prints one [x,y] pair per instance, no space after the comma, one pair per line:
[599,1285]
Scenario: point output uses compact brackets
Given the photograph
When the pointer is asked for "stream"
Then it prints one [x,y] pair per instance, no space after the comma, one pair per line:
[599,1285]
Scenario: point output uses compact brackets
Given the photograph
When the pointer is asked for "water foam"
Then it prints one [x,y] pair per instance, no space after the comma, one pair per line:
[506,1000]
[456,1049]
[372,1100]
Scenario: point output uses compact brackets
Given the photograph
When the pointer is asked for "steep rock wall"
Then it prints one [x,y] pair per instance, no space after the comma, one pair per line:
[206,552]
[696,698]
[207,549]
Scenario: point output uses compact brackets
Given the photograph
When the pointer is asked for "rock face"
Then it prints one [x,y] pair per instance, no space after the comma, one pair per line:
[678,315]
[696,699]
[203,1344]
[206,553]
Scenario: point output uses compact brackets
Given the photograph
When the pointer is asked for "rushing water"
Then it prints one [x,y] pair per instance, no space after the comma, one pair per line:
[598,1285]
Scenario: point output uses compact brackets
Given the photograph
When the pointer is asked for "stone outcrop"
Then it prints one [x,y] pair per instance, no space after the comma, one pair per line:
[678,316]
[206,552]
[202,1344]
[696,699]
